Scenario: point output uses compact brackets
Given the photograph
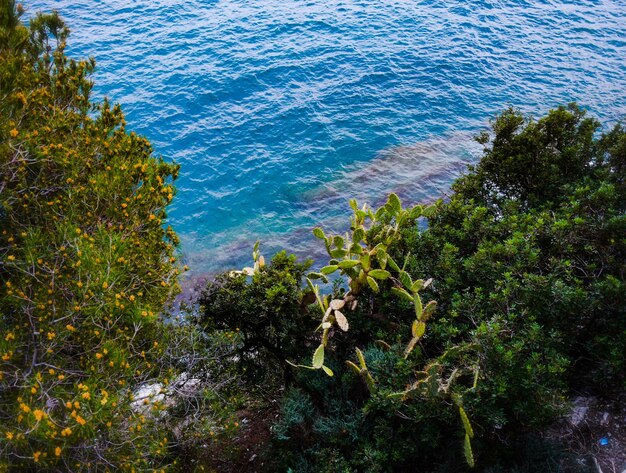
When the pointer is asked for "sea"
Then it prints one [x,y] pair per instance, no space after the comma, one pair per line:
[280,111]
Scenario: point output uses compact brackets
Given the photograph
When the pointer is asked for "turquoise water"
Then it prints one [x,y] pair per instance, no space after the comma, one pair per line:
[279,111]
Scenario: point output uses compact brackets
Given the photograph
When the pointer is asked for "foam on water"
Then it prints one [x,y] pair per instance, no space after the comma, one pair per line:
[279,111]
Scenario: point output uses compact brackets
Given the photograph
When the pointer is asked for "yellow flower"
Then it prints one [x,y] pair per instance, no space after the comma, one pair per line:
[86,396]
[66,432]
[39,414]
[70,327]
[105,285]
[36,456]
[9,435]
[24,407]
[57,451]
[11,258]
[80,420]
[14,132]
[98,355]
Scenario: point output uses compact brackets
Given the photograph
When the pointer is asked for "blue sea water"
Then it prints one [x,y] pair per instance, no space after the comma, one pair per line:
[279,111]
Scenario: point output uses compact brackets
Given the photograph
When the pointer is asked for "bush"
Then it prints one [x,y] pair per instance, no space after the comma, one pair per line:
[528,261]
[85,264]
[264,312]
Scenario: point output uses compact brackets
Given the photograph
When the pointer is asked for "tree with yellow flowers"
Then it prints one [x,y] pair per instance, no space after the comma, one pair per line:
[86,264]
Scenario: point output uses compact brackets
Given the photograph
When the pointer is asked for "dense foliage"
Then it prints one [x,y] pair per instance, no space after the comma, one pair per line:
[268,315]
[448,334]
[527,258]
[85,264]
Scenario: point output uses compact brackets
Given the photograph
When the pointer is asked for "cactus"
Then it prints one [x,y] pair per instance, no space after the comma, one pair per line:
[362,257]
[362,370]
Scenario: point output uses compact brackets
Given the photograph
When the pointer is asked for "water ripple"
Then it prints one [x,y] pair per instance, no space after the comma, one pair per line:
[279,111]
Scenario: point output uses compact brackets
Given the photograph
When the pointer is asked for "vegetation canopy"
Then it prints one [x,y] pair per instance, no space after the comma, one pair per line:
[85,263]
[449,335]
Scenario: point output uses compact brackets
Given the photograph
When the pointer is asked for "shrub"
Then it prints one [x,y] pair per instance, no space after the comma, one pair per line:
[263,309]
[85,263]
[528,258]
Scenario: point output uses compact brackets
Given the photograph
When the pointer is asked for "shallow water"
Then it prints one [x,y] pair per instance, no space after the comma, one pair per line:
[280,111]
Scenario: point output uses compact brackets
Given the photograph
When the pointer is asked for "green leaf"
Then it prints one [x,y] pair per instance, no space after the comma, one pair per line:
[358,235]
[327,370]
[319,233]
[402,293]
[356,369]
[365,261]
[466,423]
[381,256]
[405,279]
[417,301]
[418,328]
[329,269]
[477,370]
[379,274]
[394,204]
[416,211]
[417,285]
[469,455]
[339,253]
[373,284]
[359,355]
[318,357]
[349,263]
[338,241]
[317,276]
[429,211]
[429,310]
[356,249]
[371,385]
[353,204]
[392,264]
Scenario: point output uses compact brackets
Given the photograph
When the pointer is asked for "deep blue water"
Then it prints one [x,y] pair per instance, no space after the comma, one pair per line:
[281,110]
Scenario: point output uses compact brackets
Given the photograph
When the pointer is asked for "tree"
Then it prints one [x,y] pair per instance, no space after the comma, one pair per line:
[86,265]
[529,261]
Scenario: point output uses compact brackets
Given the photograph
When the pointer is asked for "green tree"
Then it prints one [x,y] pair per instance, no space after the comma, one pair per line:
[529,262]
[266,310]
[86,265]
